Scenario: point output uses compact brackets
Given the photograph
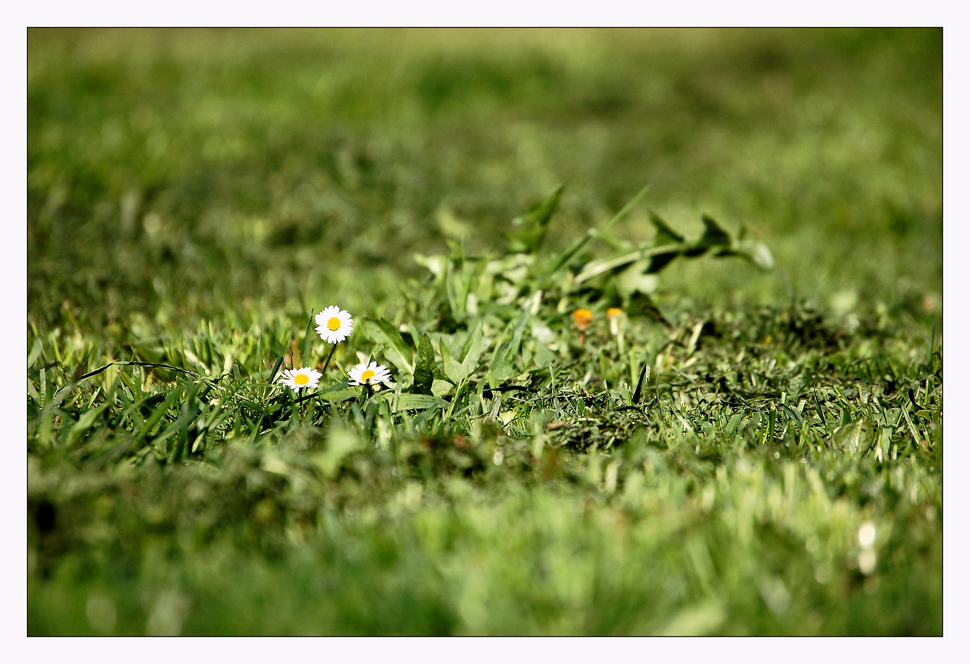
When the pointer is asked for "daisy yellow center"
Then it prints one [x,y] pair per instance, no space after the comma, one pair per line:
[334,323]
[367,375]
[301,379]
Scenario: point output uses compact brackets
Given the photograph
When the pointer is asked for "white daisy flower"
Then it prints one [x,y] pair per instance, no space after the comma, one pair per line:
[334,324]
[300,378]
[369,374]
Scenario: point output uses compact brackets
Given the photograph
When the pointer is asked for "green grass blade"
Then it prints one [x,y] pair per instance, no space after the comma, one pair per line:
[159,412]
[578,245]
[307,337]
[638,392]
[84,423]
[424,369]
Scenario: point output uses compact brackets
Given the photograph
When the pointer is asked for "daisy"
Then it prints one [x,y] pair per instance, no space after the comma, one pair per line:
[369,374]
[334,324]
[300,378]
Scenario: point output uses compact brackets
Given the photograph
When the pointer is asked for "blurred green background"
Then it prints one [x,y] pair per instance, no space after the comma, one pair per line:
[180,172]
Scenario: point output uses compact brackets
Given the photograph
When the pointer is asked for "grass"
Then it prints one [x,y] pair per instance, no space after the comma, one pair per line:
[753,447]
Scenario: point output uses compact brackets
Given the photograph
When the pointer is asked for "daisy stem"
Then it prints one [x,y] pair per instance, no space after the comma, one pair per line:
[326,364]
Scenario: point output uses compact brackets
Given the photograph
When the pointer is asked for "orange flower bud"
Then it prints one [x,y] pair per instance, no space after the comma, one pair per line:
[582,318]
[613,315]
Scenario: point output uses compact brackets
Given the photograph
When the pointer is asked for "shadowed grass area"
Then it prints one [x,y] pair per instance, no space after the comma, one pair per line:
[740,451]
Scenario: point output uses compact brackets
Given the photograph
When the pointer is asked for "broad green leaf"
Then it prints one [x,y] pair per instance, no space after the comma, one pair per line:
[748,246]
[635,279]
[419,402]
[500,368]
[665,234]
[543,355]
[714,236]
[532,226]
[472,350]
[667,245]
[339,393]
[401,402]
[453,368]
[399,353]
[665,237]
[424,368]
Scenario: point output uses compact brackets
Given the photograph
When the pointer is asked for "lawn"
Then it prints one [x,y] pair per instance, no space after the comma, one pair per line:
[662,312]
